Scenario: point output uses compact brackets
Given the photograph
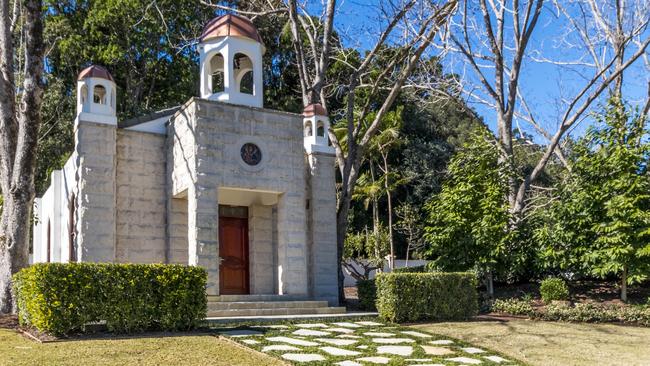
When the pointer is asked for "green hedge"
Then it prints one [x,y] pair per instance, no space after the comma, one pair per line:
[367,292]
[409,297]
[60,298]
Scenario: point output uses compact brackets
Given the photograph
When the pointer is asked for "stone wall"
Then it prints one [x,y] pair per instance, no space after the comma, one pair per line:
[261,248]
[140,180]
[178,231]
[95,149]
[322,198]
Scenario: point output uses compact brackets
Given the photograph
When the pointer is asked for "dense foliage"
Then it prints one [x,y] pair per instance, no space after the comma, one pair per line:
[62,298]
[468,220]
[599,222]
[409,297]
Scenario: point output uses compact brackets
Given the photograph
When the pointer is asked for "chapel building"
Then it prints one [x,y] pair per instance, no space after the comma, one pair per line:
[220,182]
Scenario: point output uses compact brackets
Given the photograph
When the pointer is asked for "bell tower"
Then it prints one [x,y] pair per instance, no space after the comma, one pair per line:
[95,158]
[231,52]
[316,123]
[96,96]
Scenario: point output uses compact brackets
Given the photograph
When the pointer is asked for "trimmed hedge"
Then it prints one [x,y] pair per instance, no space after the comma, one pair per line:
[367,293]
[61,298]
[409,297]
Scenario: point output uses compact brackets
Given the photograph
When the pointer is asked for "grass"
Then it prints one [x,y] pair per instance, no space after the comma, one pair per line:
[551,343]
[192,349]
[366,341]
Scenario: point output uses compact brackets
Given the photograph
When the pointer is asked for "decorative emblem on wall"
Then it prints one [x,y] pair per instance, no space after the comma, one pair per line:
[251,154]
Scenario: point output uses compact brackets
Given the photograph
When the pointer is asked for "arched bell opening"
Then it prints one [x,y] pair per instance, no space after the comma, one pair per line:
[308,129]
[217,74]
[244,75]
[320,130]
[99,95]
[83,94]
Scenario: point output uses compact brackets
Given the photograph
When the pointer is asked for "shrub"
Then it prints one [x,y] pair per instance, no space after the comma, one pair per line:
[594,313]
[426,296]
[61,298]
[584,313]
[513,307]
[554,289]
[367,292]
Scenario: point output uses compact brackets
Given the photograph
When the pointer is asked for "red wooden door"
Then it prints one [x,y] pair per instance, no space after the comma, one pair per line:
[233,255]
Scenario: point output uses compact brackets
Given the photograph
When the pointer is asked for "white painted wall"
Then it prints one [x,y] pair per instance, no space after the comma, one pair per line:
[53,208]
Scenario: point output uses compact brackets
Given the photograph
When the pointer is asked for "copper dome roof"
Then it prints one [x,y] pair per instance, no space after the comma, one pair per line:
[314,110]
[95,71]
[230,25]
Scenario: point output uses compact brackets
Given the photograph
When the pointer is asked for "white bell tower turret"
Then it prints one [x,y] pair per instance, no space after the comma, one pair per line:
[96,96]
[316,125]
[231,61]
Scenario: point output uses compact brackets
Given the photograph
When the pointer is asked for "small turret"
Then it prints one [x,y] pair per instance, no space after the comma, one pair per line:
[316,125]
[96,96]
[231,61]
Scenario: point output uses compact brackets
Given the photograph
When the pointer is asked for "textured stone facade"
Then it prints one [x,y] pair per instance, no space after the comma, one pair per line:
[95,149]
[322,237]
[204,141]
[263,275]
[147,197]
[141,181]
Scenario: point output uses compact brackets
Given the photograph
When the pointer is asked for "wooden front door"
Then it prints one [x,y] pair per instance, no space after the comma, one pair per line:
[233,255]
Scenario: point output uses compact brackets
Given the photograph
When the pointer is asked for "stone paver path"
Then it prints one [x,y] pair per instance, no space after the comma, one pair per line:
[362,343]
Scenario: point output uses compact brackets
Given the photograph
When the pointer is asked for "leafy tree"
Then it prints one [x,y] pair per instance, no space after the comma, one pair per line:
[468,220]
[600,222]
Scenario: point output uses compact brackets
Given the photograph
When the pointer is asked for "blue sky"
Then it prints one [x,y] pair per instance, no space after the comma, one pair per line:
[543,84]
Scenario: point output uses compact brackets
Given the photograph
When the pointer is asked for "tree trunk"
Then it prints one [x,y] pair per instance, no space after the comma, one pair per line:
[624,284]
[18,140]
[489,283]
[391,262]
[14,250]
[408,249]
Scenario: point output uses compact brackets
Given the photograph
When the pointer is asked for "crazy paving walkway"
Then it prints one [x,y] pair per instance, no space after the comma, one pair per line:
[360,343]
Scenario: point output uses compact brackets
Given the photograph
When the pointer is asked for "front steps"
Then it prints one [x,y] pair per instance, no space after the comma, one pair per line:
[251,306]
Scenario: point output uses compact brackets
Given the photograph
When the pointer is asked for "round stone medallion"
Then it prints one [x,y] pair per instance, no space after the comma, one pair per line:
[251,154]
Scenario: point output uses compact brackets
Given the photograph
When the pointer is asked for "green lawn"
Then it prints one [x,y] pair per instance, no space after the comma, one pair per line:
[178,350]
[550,343]
[536,343]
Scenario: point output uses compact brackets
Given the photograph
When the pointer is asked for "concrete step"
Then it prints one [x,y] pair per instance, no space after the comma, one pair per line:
[275,311]
[262,319]
[252,298]
[222,305]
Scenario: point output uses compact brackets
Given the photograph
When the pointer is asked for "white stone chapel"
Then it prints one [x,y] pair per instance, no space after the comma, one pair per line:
[220,182]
